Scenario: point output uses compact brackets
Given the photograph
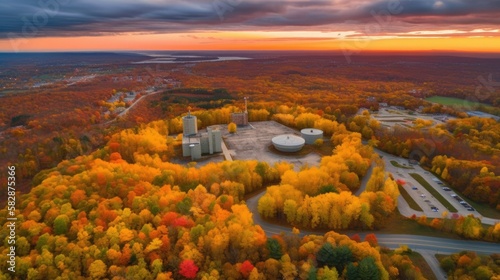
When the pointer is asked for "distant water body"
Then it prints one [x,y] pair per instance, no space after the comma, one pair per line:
[172,58]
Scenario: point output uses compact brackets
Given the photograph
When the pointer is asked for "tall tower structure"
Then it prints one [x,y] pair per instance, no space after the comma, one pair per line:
[189,125]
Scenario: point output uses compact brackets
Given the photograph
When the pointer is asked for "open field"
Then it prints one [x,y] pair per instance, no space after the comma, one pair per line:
[457,102]
[396,164]
[433,191]
[411,202]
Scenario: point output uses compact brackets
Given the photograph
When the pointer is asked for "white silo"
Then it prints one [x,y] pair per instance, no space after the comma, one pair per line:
[195,151]
[189,125]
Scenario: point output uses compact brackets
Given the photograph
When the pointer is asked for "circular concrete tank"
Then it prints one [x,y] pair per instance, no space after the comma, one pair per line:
[288,143]
[311,134]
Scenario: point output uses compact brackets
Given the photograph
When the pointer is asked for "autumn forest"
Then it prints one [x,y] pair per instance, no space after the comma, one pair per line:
[103,192]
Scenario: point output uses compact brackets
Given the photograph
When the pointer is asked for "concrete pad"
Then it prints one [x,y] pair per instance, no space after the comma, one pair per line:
[253,143]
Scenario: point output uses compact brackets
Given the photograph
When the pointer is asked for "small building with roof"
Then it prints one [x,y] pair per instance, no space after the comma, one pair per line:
[241,118]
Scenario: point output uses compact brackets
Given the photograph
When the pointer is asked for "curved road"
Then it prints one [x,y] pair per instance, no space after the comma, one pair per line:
[427,246]
[364,181]
[124,112]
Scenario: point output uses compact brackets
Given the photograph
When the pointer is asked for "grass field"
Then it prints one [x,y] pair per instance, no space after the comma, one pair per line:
[411,202]
[396,164]
[457,102]
[434,192]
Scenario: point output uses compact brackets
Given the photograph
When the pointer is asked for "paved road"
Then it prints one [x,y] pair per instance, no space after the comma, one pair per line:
[365,179]
[124,112]
[427,246]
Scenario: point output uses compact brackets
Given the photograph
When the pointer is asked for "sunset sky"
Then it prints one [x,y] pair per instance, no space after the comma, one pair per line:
[355,25]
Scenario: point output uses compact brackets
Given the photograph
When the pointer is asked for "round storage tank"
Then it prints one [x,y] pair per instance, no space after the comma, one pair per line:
[288,143]
[311,134]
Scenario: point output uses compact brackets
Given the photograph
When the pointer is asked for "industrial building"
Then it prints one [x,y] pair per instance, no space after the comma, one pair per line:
[240,119]
[194,143]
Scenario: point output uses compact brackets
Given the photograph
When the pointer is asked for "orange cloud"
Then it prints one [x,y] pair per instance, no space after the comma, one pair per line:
[257,40]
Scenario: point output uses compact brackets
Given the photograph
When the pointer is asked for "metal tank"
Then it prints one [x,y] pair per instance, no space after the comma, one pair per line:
[288,143]
[310,135]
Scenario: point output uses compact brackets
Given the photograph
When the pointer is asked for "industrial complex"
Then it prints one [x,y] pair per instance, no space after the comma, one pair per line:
[196,143]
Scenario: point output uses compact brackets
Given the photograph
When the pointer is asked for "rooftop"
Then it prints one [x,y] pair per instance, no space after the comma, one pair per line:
[288,140]
[311,131]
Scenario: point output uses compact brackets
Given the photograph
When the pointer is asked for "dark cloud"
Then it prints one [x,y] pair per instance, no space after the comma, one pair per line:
[96,17]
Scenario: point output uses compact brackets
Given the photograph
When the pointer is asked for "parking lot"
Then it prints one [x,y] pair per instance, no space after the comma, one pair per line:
[392,116]
[430,205]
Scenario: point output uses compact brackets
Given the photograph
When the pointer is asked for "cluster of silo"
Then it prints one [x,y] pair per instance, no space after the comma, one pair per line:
[195,144]
[211,141]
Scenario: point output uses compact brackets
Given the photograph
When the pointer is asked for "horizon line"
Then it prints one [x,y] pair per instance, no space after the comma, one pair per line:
[248,50]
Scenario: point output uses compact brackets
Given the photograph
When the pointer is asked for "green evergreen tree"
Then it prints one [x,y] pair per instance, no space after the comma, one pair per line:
[274,248]
[368,269]
[326,255]
[352,272]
